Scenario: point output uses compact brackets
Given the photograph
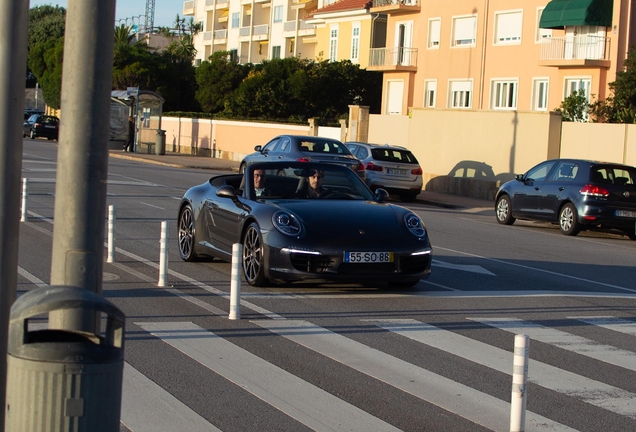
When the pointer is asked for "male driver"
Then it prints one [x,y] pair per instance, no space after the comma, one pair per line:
[259,182]
[315,184]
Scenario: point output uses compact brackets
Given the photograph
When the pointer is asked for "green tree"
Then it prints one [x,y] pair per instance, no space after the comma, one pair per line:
[575,108]
[45,23]
[217,79]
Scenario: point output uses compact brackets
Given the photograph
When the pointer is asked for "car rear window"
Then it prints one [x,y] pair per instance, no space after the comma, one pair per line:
[48,120]
[393,155]
[613,175]
[324,147]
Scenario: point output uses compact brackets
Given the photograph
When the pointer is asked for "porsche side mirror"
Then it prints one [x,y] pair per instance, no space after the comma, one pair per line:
[381,195]
[227,192]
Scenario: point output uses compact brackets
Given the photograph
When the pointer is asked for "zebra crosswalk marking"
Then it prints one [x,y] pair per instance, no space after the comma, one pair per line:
[611,323]
[306,403]
[563,340]
[452,396]
[146,407]
[587,390]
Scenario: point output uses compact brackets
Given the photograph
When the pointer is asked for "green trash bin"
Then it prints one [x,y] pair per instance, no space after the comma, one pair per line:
[62,380]
[160,142]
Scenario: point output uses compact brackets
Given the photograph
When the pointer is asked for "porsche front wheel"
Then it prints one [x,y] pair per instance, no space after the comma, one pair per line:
[186,234]
[253,256]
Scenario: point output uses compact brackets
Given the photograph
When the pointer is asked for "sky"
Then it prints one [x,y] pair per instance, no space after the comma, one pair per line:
[165,10]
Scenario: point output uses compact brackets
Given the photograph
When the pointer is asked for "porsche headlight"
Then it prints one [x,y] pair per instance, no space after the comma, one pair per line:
[286,223]
[414,225]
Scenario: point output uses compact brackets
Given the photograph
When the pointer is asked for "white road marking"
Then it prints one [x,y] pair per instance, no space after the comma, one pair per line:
[150,205]
[584,389]
[563,340]
[146,407]
[563,275]
[452,396]
[306,403]
[32,278]
[462,267]
[611,323]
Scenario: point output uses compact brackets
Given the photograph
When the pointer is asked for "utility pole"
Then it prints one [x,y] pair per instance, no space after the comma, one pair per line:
[14,22]
[82,162]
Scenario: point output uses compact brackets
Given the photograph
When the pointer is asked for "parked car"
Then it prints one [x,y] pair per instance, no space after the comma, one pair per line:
[392,168]
[39,125]
[576,194]
[287,236]
[303,149]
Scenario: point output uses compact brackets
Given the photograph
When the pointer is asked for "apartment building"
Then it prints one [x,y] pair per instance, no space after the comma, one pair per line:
[257,30]
[525,55]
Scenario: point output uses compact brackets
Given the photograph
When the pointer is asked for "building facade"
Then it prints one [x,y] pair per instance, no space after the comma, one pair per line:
[523,55]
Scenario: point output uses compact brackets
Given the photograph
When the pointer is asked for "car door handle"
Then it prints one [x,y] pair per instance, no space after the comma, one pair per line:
[561,189]
[537,188]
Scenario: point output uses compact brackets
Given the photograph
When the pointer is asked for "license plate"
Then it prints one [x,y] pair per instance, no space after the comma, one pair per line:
[368,257]
[625,213]
[396,171]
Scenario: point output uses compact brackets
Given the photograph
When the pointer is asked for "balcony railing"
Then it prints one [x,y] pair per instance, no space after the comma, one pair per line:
[382,3]
[244,31]
[393,57]
[207,36]
[585,47]
[290,26]
[260,30]
[220,34]
[188,7]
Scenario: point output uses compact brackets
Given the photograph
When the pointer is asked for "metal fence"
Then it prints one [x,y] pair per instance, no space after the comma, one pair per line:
[585,47]
[396,56]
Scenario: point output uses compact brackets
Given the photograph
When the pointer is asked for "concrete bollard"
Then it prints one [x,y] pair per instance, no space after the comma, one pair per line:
[111,234]
[519,382]
[163,256]
[235,284]
[25,194]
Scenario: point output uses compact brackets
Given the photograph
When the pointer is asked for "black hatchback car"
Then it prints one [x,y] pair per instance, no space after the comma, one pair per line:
[576,194]
[39,125]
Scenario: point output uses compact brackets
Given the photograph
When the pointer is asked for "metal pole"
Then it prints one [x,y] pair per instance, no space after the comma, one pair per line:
[519,381]
[25,194]
[14,22]
[111,234]
[163,255]
[82,162]
[235,284]
[137,128]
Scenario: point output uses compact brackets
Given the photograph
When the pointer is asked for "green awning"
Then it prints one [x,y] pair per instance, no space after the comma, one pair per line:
[561,13]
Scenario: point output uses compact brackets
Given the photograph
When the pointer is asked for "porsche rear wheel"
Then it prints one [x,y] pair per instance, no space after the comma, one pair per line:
[253,256]
[186,234]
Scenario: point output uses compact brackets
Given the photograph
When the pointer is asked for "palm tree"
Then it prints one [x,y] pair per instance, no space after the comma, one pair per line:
[123,35]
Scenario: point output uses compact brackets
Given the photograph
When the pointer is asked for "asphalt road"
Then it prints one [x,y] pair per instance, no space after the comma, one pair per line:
[347,357]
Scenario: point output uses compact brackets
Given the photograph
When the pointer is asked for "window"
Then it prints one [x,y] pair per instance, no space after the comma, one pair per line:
[235,20]
[278,14]
[540,94]
[504,94]
[464,31]
[573,85]
[276,52]
[430,90]
[333,44]
[434,25]
[565,171]
[355,43]
[460,94]
[539,173]
[539,33]
[508,27]
[395,96]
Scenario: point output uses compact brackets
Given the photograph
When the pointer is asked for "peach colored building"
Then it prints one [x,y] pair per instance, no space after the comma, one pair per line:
[520,55]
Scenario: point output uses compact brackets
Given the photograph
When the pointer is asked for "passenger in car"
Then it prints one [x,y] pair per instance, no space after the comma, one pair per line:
[259,183]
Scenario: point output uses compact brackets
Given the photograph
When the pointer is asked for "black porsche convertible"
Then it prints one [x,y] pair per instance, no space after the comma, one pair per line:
[318,222]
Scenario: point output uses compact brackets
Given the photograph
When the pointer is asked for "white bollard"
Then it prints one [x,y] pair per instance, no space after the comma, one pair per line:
[519,382]
[163,256]
[25,193]
[111,234]
[235,284]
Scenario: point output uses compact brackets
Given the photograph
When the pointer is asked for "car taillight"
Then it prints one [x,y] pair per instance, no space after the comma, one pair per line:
[372,167]
[596,191]
[359,167]
[303,159]
[416,171]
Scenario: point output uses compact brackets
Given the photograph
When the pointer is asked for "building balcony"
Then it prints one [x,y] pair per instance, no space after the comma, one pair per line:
[207,38]
[585,50]
[188,8]
[209,5]
[393,59]
[220,34]
[261,32]
[393,7]
[304,28]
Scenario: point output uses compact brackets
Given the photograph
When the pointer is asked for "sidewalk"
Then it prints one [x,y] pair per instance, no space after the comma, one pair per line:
[179,160]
